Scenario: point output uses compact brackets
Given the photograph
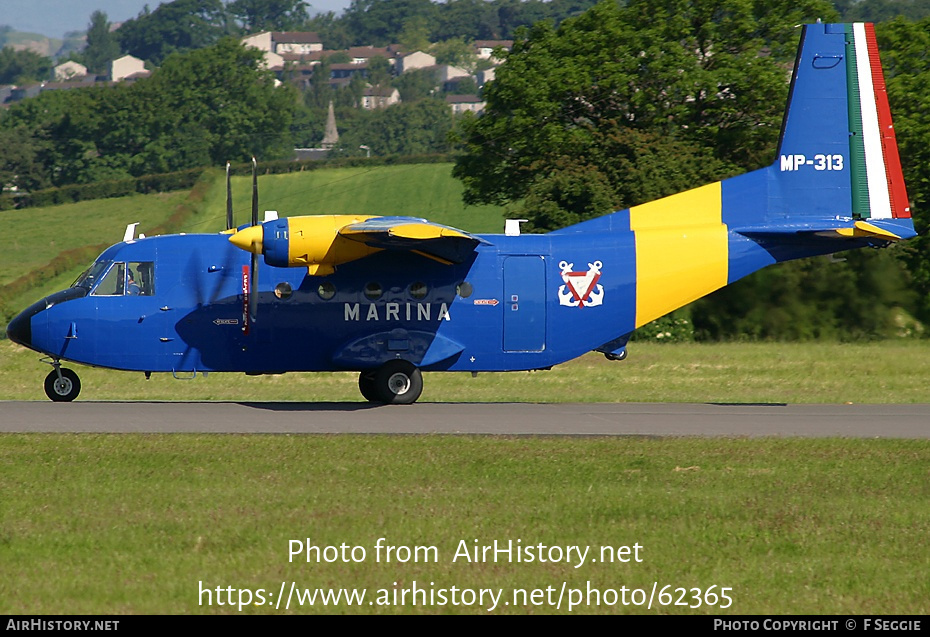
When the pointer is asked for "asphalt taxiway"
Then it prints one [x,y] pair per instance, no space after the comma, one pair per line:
[600,419]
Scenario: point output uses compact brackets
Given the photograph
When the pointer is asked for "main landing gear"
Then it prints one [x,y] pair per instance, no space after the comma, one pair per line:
[61,385]
[394,383]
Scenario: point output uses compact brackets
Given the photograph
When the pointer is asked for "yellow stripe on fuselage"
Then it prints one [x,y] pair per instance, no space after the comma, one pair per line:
[681,250]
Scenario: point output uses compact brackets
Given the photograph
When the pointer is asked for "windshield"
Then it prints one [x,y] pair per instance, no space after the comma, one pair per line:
[91,275]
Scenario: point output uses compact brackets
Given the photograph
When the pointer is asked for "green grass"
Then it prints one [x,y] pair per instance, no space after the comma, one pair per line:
[133,523]
[418,190]
[34,236]
[38,237]
[882,372]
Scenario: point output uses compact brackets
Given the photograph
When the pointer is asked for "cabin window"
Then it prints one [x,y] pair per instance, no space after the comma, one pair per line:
[373,291]
[418,290]
[464,289]
[283,290]
[140,278]
[326,291]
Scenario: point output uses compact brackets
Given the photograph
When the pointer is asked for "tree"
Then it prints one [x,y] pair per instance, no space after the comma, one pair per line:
[455,52]
[211,105]
[269,15]
[20,161]
[381,22]
[200,108]
[401,129]
[905,50]
[181,25]
[17,67]
[467,18]
[415,35]
[706,74]
[415,85]
[102,45]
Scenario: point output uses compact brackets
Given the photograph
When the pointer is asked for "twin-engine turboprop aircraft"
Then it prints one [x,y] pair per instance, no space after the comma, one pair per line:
[391,296]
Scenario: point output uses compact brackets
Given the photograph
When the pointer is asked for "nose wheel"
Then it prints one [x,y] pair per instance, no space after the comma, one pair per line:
[62,385]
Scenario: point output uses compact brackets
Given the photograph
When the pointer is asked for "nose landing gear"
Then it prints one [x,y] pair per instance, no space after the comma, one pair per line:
[61,385]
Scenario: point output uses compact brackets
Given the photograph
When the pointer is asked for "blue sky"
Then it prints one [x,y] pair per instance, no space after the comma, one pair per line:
[54,18]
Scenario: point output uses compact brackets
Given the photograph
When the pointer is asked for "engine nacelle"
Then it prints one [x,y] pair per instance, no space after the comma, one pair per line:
[312,242]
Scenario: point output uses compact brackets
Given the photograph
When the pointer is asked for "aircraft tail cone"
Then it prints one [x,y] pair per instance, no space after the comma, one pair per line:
[248,239]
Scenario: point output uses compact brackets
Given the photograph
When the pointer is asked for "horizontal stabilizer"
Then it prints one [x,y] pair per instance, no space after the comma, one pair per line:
[882,230]
[442,243]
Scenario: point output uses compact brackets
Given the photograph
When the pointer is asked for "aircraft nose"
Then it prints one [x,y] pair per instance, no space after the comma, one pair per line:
[20,329]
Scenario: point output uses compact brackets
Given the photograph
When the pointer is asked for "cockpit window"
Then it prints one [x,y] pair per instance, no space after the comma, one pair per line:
[91,275]
[136,278]
[113,282]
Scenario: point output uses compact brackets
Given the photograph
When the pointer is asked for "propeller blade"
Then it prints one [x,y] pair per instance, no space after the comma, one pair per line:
[229,212]
[254,192]
[253,272]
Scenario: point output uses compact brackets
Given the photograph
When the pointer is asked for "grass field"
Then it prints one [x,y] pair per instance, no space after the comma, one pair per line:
[40,236]
[37,235]
[880,372]
[417,190]
[138,523]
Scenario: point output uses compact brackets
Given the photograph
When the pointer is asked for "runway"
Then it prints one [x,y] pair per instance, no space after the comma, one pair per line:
[601,419]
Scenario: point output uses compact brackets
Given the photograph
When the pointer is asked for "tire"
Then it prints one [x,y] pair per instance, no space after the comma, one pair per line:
[366,385]
[398,383]
[64,390]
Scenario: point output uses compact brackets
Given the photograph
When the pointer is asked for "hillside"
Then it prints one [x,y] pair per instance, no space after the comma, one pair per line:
[56,244]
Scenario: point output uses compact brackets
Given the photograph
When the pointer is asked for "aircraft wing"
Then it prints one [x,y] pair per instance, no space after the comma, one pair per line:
[438,242]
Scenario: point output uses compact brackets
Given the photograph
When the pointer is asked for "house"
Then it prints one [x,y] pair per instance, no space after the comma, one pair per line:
[285,42]
[69,70]
[464,103]
[295,42]
[284,46]
[126,66]
[379,97]
[484,49]
[409,61]
[446,73]
[483,77]
[347,70]
[362,54]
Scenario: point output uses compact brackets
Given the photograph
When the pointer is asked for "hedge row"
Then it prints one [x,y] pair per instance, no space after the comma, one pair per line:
[181,180]
[283,166]
[185,179]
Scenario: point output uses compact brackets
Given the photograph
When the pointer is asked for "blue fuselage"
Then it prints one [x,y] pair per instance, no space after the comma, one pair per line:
[521,303]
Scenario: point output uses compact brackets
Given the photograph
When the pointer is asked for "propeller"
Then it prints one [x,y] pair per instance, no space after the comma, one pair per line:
[253,270]
[229,206]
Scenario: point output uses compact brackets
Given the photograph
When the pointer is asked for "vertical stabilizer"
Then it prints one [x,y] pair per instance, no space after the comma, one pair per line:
[838,154]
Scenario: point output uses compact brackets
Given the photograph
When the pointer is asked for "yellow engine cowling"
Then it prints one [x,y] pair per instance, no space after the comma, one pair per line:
[312,242]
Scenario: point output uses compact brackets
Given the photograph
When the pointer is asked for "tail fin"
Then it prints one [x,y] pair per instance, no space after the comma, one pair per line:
[838,170]
[836,185]
[836,63]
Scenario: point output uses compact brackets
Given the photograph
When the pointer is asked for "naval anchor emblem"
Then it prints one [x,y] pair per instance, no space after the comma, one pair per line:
[581,289]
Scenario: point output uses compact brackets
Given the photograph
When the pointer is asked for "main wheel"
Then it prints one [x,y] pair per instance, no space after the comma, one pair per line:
[64,389]
[366,385]
[398,383]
